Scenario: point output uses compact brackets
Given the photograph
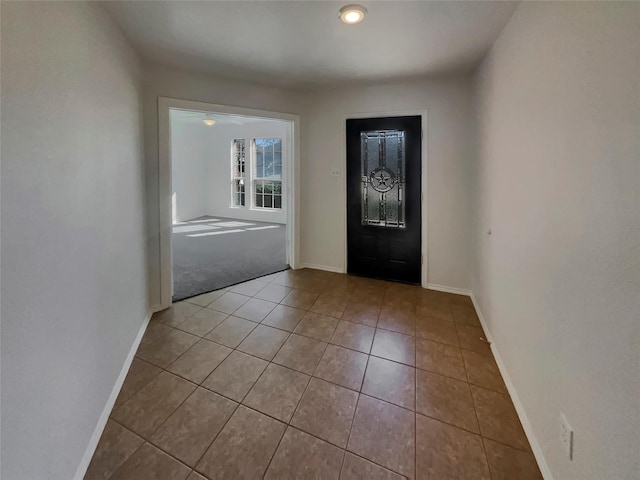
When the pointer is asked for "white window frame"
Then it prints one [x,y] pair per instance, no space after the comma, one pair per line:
[255,178]
[234,169]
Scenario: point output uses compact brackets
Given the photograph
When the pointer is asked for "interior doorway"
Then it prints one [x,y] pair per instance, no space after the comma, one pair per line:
[232,196]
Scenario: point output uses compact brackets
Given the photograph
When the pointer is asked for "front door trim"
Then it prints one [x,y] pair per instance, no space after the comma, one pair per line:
[424,213]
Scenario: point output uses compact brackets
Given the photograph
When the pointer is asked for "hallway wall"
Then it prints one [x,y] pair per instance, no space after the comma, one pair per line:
[73,252]
[321,212]
[448,138]
[557,180]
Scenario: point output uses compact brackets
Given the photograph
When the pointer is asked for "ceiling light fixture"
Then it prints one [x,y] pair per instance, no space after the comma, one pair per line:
[352,14]
[208,120]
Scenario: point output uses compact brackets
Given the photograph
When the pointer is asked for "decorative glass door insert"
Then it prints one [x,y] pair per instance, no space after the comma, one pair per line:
[383,178]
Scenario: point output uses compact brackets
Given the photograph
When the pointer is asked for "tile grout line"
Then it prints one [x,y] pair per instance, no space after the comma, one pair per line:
[290,333]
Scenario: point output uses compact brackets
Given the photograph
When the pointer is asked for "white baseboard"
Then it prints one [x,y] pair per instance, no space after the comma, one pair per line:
[322,267]
[526,425]
[156,308]
[444,288]
[102,421]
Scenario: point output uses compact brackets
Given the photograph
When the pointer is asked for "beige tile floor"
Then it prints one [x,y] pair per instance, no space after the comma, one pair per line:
[309,374]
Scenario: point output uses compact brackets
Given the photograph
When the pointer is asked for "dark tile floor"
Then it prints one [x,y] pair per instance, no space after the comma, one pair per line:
[309,374]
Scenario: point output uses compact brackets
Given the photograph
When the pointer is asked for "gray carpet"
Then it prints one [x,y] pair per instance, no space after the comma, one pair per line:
[223,254]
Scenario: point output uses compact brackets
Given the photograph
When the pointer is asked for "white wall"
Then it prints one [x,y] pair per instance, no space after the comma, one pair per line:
[558,182]
[189,170]
[73,253]
[449,110]
[201,167]
[166,82]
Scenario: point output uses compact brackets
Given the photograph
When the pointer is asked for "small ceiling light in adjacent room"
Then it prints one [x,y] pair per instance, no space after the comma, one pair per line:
[352,14]
[208,120]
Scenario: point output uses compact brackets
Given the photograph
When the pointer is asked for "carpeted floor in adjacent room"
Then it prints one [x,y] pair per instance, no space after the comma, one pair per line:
[210,253]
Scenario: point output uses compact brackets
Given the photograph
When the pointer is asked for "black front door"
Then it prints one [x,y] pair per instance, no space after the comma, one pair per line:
[384,165]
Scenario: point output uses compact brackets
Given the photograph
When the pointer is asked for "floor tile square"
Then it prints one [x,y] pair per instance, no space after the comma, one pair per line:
[140,374]
[300,299]
[263,342]
[284,318]
[437,330]
[273,293]
[155,330]
[426,296]
[311,285]
[361,312]
[199,361]
[116,445]
[249,288]
[284,279]
[326,411]
[301,456]
[507,463]
[168,348]
[270,278]
[317,326]
[229,302]
[329,305]
[384,434]
[149,463]
[342,287]
[446,399]
[342,366]
[176,313]
[474,339]
[498,418]
[192,427]
[400,320]
[390,381]
[235,376]
[301,353]
[443,451]
[357,468]
[277,392]
[370,293]
[206,298]
[439,358]
[456,299]
[202,322]
[353,336]
[255,310]
[152,405]
[483,371]
[244,447]
[465,315]
[436,309]
[394,346]
[232,331]
[400,300]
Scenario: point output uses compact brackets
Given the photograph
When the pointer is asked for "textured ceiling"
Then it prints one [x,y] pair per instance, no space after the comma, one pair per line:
[302,44]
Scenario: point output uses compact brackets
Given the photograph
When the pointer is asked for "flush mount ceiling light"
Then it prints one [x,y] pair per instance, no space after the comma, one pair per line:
[208,120]
[352,14]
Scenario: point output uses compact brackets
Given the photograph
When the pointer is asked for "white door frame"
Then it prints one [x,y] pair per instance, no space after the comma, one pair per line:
[291,182]
[423,207]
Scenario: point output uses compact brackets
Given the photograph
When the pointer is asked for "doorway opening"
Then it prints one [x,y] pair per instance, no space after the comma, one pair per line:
[231,196]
